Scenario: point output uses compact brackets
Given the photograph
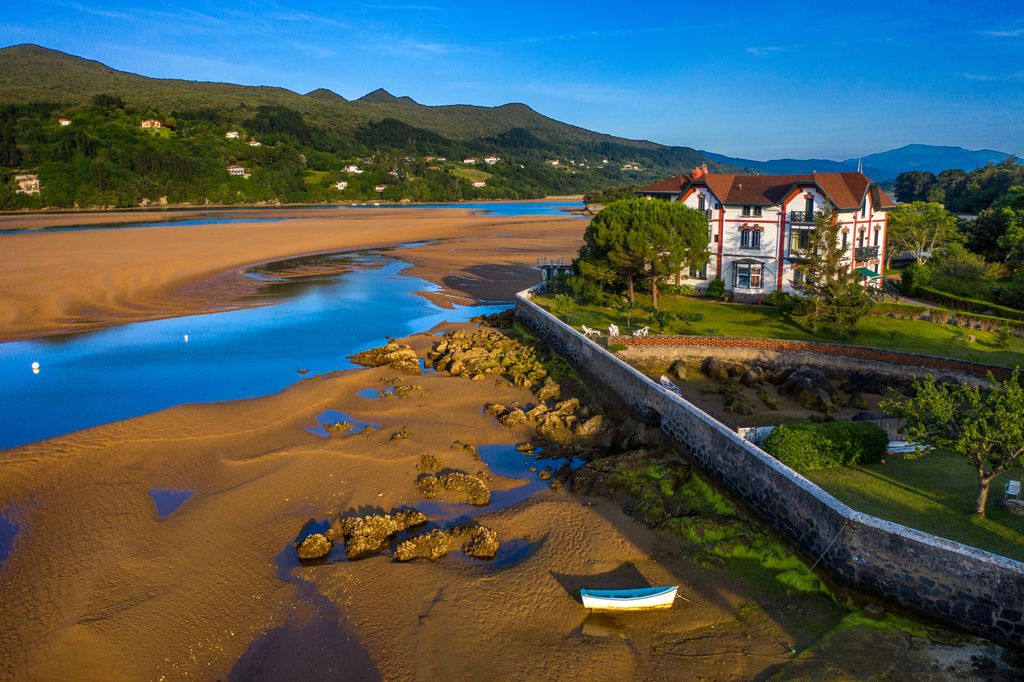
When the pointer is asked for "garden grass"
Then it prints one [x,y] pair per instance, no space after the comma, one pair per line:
[762,321]
[935,494]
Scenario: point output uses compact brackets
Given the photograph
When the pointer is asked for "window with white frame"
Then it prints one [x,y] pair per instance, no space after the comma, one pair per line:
[702,273]
[747,275]
[750,239]
[878,233]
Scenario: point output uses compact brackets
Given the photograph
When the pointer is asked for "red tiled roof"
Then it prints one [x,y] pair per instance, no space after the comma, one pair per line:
[846,190]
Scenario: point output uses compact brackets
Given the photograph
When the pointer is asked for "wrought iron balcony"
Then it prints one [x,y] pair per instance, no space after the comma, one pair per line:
[797,253]
[803,216]
[865,253]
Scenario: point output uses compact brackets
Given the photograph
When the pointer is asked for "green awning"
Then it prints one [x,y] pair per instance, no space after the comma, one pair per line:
[868,272]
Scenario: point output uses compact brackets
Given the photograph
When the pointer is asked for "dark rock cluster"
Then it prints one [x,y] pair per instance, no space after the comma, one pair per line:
[400,358]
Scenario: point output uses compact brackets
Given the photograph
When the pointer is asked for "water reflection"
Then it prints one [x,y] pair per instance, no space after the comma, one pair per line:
[315,322]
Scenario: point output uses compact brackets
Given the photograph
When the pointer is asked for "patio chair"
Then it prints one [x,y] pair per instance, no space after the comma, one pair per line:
[588,332]
[613,330]
[643,331]
[1012,490]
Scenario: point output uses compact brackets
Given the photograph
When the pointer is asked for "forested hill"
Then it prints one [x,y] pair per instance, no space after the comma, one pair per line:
[406,150]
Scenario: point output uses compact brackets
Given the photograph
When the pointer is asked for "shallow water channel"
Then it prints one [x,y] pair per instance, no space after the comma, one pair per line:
[312,323]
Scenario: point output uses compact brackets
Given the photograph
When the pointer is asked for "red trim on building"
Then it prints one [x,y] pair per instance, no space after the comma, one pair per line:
[782,243]
[686,195]
[721,230]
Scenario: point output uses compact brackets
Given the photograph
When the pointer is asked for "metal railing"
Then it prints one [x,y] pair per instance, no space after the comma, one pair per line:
[803,216]
[865,252]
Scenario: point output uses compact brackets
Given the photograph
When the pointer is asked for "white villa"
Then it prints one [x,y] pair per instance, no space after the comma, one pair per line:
[341,185]
[27,184]
[469,161]
[235,170]
[150,123]
[64,122]
[380,188]
[491,160]
[255,143]
[480,183]
[231,134]
[761,225]
[352,169]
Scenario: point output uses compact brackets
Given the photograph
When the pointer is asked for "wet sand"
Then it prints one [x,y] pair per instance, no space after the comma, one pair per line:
[61,282]
[99,586]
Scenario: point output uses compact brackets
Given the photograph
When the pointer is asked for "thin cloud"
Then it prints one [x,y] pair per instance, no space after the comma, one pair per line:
[1016,33]
[110,14]
[994,77]
[406,8]
[764,51]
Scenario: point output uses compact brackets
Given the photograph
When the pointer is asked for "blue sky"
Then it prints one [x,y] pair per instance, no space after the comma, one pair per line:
[760,80]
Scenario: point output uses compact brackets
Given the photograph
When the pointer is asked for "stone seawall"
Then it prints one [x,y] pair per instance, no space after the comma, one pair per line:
[967,587]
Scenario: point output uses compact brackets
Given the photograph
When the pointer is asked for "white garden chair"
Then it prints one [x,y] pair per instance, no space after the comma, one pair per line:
[1012,490]
[588,332]
[613,330]
[642,331]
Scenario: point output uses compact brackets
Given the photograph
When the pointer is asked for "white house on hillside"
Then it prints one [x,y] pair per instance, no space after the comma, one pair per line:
[341,185]
[235,170]
[491,160]
[27,184]
[761,225]
[150,123]
[255,143]
[64,122]
[231,134]
[352,168]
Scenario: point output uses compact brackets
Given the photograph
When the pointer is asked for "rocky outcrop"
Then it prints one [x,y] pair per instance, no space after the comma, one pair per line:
[482,543]
[369,534]
[430,545]
[401,358]
[475,489]
[480,353]
[478,541]
[429,463]
[315,546]
[678,370]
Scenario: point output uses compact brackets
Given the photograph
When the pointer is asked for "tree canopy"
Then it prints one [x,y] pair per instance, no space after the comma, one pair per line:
[920,228]
[635,239]
[982,424]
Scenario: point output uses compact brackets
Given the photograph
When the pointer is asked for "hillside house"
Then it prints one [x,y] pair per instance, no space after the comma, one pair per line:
[232,134]
[380,188]
[469,162]
[27,184]
[352,168]
[64,122]
[255,143]
[237,171]
[761,226]
[341,185]
[554,162]
[479,183]
[151,123]
[491,160]
[632,166]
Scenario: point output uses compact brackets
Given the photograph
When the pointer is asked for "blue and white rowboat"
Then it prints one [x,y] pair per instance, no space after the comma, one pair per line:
[628,600]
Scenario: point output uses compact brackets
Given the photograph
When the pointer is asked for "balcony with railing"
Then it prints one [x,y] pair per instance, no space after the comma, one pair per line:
[707,212]
[862,253]
[804,217]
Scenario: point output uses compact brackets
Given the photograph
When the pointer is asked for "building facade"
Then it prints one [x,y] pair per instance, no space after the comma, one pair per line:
[761,225]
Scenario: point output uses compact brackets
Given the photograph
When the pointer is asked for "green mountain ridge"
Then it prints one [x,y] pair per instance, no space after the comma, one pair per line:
[306,139]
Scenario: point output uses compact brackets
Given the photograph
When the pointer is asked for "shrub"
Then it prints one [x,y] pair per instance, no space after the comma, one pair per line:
[783,301]
[1003,337]
[806,447]
[913,276]
[617,347]
[716,289]
[969,304]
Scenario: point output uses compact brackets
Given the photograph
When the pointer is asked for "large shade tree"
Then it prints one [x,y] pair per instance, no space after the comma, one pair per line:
[920,228]
[635,239]
[983,424]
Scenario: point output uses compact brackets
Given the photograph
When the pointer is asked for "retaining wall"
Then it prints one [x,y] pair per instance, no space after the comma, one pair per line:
[961,585]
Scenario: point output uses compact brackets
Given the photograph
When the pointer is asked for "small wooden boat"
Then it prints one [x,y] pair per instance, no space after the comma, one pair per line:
[629,600]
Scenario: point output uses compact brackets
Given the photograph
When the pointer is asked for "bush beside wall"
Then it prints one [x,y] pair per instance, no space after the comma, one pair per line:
[806,447]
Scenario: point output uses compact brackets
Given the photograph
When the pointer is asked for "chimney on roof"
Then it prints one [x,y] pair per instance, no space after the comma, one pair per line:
[700,171]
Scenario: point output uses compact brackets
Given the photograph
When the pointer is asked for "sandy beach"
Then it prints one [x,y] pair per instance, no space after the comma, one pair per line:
[59,282]
[99,586]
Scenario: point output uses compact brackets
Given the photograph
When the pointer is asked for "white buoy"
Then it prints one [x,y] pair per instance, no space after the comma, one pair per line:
[35,368]
[186,338]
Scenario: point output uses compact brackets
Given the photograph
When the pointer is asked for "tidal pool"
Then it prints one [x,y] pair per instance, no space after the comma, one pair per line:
[312,323]
[168,501]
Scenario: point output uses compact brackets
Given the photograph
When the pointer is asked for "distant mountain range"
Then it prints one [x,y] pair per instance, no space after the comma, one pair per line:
[308,138]
[881,166]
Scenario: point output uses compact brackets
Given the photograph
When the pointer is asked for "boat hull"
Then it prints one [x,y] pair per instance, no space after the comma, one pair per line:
[629,600]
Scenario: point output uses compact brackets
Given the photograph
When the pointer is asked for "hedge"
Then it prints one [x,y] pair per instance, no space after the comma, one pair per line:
[806,447]
[942,316]
[973,305]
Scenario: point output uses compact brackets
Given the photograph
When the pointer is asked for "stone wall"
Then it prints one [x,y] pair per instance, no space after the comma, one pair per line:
[967,587]
[813,352]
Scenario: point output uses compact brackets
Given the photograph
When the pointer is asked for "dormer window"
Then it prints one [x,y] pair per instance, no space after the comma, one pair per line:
[746,210]
[750,239]
[752,211]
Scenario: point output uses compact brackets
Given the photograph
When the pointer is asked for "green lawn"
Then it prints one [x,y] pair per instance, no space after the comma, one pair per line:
[471,174]
[734,319]
[935,494]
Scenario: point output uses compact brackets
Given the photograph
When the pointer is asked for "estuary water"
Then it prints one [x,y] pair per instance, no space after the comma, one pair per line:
[97,377]
[210,217]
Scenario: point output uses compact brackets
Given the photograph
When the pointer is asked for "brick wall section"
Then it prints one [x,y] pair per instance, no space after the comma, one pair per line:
[961,585]
[857,352]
